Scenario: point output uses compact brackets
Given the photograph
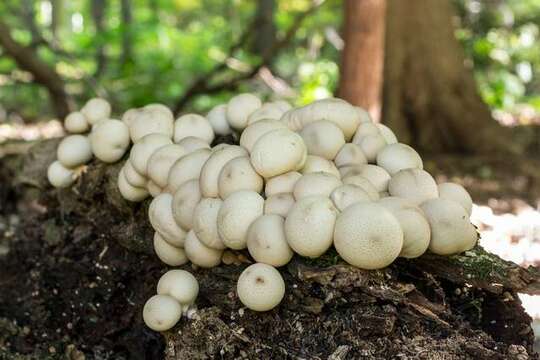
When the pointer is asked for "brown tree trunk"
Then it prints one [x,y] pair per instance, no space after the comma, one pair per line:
[98,15]
[125,9]
[430,98]
[265,32]
[363,55]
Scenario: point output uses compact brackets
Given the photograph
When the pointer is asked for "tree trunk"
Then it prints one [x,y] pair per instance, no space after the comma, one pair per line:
[98,15]
[125,9]
[57,18]
[363,55]
[265,31]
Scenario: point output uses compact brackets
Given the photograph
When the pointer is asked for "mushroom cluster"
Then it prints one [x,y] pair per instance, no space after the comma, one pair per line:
[300,180]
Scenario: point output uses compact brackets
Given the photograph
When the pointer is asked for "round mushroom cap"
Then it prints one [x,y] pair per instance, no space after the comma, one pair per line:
[192,143]
[200,254]
[349,155]
[185,200]
[217,117]
[323,138]
[319,164]
[266,111]
[365,129]
[266,241]
[128,191]
[364,184]
[95,110]
[161,312]
[151,119]
[133,177]
[376,175]
[451,230]
[387,134]
[457,193]
[59,176]
[371,145]
[187,168]
[237,213]
[317,183]
[179,284]
[413,184]
[278,152]
[193,125]
[168,254]
[76,123]
[364,115]
[142,150]
[260,287]
[205,218]
[110,140]
[209,178]
[345,195]
[416,231]
[282,104]
[238,174]
[162,220]
[283,183]
[396,157]
[309,226]
[255,131]
[161,162]
[279,204]
[129,115]
[368,236]
[239,108]
[74,150]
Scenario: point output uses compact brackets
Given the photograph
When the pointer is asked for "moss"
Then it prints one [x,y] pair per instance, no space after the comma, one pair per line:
[329,258]
[479,264]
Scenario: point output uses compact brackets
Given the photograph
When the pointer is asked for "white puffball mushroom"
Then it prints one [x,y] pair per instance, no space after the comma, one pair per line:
[317,183]
[396,157]
[238,174]
[323,138]
[187,168]
[153,188]
[151,119]
[162,220]
[319,164]
[266,111]
[364,184]
[260,287]
[129,115]
[266,241]
[371,145]
[451,230]
[413,184]
[365,129]
[179,284]
[387,134]
[59,176]
[416,231]
[205,223]
[376,175]
[237,213]
[279,204]
[133,177]
[239,108]
[110,140]
[457,193]
[128,191]
[364,115]
[185,200]
[168,254]
[193,125]
[161,312]
[368,236]
[345,195]
[350,155]
[209,177]
[142,150]
[76,123]
[192,143]
[309,226]
[74,150]
[255,131]
[95,110]
[283,183]
[217,117]
[161,162]
[200,254]
[277,152]
[282,104]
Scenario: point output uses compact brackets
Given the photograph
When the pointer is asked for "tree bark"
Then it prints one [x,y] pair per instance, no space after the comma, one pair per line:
[57,18]
[43,74]
[98,16]
[363,55]
[125,9]
[265,31]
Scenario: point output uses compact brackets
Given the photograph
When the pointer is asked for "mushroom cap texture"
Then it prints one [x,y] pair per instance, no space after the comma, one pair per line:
[133,177]
[255,131]
[185,200]
[74,150]
[128,191]
[413,184]
[363,183]
[162,220]
[76,123]
[457,193]
[317,164]
[239,108]
[396,157]
[317,183]
[151,119]
[266,241]
[205,218]
[238,174]
[323,138]
[451,230]
[153,188]
[371,146]
[368,236]
[277,152]
[161,162]
[95,110]
[168,254]
[142,150]
[110,140]
[365,129]
[59,176]
[209,177]
[387,134]
[193,125]
[266,111]
[192,143]
[347,194]
[161,312]
[283,183]
[376,175]
[217,117]
[200,254]
[187,168]
[350,154]
[179,284]
[279,204]
[237,213]
[260,287]
[309,226]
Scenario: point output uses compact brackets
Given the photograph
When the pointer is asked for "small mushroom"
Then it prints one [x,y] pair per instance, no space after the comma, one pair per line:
[239,108]
[193,125]
[323,138]
[142,150]
[255,131]
[364,184]
[192,143]
[266,111]
[387,134]
[217,117]
[350,155]
[279,204]
[153,188]
[205,223]
[110,140]
[347,194]
[200,254]
[59,176]
[161,162]
[161,312]
[266,241]
[365,129]
[170,255]
[396,157]
[74,150]
[151,119]
[371,146]
[185,200]
[95,110]
[260,287]
[317,183]
[209,177]
[179,284]
[133,177]
[76,123]
[413,184]
[376,175]
[187,168]
[128,191]
[457,193]
[283,183]
[162,220]
[319,164]
[238,174]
